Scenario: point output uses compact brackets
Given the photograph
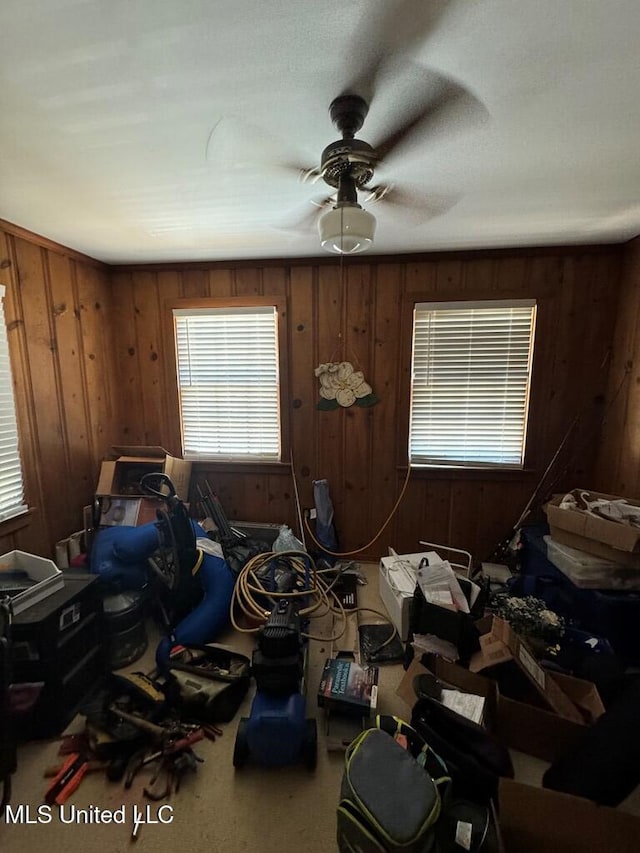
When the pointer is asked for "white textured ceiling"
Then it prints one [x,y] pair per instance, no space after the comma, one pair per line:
[156,130]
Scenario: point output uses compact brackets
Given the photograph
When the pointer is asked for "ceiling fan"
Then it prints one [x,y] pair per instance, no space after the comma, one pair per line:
[348,164]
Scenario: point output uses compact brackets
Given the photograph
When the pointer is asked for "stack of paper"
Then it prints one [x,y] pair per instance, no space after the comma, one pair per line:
[439,585]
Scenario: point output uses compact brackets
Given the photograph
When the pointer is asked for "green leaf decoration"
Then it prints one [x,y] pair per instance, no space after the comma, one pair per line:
[369,400]
[327,405]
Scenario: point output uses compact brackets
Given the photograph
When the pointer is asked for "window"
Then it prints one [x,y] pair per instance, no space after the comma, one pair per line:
[228,382]
[471,371]
[11,489]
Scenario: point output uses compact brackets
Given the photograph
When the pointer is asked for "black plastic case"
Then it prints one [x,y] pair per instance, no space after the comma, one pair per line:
[58,643]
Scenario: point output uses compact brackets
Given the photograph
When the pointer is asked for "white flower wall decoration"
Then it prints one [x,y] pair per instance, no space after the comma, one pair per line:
[342,385]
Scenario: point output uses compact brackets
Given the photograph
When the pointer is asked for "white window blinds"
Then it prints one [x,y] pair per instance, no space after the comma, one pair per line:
[11,490]
[228,381]
[470,383]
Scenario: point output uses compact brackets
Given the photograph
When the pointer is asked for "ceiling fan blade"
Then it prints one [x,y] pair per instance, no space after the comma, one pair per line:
[305,217]
[304,174]
[445,105]
[413,205]
[394,26]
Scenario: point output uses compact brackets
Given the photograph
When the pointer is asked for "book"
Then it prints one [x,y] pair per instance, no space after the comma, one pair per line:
[348,687]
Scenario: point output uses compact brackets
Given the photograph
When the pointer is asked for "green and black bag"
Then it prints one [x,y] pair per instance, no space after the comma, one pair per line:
[392,789]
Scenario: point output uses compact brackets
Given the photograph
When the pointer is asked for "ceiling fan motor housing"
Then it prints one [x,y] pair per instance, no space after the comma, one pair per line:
[352,156]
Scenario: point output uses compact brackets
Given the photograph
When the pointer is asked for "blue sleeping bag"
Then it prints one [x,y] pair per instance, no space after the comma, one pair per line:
[119,556]
[211,616]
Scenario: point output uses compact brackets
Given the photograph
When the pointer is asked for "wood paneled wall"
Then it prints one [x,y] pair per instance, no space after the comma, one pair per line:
[91,359]
[618,467]
[360,311]
[59,321]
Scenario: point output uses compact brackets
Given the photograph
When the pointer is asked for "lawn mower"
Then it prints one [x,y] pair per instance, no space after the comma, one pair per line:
[277,731]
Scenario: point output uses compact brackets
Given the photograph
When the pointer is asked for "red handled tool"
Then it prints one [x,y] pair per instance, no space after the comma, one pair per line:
[69,777]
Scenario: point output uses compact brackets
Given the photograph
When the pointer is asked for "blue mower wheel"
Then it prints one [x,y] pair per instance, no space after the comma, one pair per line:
[310,744]
[241,748]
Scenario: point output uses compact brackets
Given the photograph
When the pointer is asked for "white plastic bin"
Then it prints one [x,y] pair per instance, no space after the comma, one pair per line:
[590,572]
[48,578]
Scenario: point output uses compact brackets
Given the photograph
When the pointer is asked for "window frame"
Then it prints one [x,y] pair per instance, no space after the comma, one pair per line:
[458,467]
[279,304]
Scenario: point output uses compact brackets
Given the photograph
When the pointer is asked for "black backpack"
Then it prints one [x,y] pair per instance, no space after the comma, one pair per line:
[391,794]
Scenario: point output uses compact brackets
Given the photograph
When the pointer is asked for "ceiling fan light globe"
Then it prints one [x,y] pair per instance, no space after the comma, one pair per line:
[346,230]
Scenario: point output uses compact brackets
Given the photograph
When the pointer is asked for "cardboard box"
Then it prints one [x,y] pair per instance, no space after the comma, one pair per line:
[500,645]
[619,539]
[536,820]
[544,734]
[44,578]
[121,476]
[520,726]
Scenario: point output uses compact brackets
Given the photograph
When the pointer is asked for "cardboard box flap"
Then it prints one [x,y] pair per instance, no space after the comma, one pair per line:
[583,694]
[140,453]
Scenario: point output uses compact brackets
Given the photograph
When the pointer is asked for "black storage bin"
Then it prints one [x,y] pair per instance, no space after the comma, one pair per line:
[58,644]
[453,626]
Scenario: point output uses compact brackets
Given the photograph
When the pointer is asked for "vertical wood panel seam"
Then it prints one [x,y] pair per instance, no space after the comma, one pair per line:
[53,348]
[342,334]
[315,307]
[368,413]
[162,345]
[75,292]
[26,364]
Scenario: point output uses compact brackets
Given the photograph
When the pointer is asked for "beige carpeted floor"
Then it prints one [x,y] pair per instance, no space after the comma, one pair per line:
[219,809]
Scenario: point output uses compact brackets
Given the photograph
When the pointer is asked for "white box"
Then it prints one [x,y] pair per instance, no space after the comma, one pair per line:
[396,584]
[48,577]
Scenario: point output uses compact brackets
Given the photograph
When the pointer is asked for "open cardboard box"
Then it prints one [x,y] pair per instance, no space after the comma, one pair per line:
[534,731]
[121,476]
[536,820]
[499,644]
[595,535]
[533,819]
